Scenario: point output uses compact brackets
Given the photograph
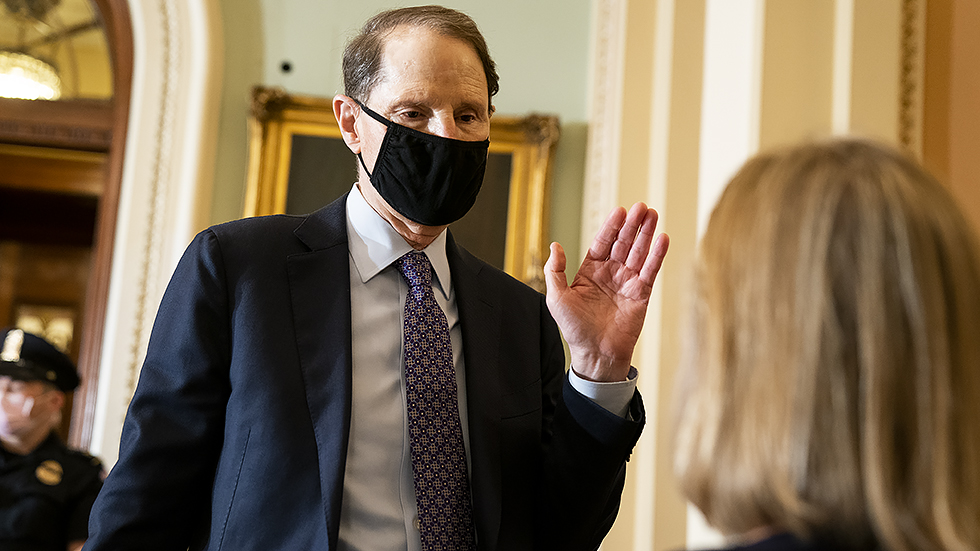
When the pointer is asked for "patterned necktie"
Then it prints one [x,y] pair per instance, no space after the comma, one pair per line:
[438,456]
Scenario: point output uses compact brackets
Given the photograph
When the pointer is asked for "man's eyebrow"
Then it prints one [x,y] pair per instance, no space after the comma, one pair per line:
[407,103]
[479,107]
[417,103]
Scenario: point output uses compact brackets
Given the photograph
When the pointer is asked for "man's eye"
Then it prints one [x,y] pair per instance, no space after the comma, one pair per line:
[468,118]
[411,114]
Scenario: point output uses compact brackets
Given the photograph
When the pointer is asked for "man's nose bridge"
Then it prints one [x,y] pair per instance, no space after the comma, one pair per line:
[10,398]
[445,126]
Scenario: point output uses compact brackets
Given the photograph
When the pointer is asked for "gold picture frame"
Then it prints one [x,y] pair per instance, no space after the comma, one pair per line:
[523,148]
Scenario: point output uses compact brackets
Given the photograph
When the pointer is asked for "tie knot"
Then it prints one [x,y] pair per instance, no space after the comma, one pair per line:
[416,269]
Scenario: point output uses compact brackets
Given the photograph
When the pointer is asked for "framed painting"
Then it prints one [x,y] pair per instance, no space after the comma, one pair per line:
[298,162]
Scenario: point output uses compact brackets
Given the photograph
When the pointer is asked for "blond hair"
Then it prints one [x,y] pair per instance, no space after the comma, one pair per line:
[831,382]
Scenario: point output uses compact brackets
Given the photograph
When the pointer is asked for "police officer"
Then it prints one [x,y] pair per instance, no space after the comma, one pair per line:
[46,489]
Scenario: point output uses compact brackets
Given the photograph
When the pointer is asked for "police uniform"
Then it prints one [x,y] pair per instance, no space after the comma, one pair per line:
[46,495]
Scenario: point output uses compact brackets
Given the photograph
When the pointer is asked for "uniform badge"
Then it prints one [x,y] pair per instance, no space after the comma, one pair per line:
[12,345]
[49,472]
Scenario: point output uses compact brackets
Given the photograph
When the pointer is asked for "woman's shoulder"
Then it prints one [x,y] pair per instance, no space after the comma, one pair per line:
[782,542]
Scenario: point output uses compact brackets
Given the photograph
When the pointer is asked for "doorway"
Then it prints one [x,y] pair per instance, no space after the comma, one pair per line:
[60,175]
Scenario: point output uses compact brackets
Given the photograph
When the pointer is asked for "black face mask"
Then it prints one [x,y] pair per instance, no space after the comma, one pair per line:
[428,179]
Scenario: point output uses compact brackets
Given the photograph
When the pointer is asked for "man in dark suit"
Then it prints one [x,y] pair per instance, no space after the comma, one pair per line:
[290,375]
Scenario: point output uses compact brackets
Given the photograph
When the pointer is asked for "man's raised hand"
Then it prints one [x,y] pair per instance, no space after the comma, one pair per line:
[601,313]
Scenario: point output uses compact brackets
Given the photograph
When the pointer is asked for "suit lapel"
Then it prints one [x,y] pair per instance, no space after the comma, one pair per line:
[480,321]
[319,284]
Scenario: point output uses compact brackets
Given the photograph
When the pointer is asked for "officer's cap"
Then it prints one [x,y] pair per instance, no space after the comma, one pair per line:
[27,357]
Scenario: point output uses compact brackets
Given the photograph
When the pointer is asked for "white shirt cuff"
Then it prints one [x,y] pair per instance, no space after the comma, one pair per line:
[614,397]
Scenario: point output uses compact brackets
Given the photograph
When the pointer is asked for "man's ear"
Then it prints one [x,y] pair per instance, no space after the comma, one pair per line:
[57,398]
[344,110]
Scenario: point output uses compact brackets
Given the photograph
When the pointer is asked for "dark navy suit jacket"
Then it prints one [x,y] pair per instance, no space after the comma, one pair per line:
[236,437]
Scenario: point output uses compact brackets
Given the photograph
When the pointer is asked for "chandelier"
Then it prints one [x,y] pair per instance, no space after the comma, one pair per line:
[26,77]
[22,75]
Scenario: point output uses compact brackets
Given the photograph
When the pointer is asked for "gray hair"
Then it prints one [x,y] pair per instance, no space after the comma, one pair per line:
[362,56]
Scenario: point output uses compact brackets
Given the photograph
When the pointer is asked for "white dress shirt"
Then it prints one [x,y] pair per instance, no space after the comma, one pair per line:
[379,511]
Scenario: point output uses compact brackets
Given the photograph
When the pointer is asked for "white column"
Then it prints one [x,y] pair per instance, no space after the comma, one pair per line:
[165,196]
[733,40]
[644,133]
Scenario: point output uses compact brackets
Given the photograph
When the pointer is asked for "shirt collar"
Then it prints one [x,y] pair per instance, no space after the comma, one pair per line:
[374,244]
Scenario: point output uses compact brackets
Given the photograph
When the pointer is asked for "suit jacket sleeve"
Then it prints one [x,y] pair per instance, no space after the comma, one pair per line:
[160,489]
[548,463]
[586,448]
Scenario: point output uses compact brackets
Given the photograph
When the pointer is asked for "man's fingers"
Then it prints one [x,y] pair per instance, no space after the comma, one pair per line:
[627,234]
[554,272]
[654,260]
[625,237]
[641,246]
[604,239]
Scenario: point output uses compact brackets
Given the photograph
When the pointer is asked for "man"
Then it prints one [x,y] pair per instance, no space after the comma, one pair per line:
[353,379]
[46,490]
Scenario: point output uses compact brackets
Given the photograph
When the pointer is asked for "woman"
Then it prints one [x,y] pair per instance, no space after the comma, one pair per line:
[831,398]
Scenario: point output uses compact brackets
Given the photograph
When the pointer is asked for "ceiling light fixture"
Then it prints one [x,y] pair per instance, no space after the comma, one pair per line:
[26,77]
[23,75]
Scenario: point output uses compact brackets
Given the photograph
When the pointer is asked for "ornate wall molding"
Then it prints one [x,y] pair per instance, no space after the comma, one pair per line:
[605,124]
[165,180]
[70,124]
[170,42]
[911,84]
